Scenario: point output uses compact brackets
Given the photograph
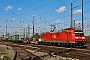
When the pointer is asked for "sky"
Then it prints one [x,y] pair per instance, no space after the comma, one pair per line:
[19,14]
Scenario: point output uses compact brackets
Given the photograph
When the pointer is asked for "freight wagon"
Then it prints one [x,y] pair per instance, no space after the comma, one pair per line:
[68,37]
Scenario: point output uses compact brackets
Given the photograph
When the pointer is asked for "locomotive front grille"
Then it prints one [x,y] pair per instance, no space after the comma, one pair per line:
[80,43]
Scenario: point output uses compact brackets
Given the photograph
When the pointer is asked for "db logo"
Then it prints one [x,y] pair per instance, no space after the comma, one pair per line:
[54,36]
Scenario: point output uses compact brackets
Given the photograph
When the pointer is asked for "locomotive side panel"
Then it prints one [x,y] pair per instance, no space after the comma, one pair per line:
[62,37]
[56,37]
[46,37]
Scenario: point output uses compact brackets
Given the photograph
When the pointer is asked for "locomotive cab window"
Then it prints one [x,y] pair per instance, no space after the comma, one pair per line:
[79,34]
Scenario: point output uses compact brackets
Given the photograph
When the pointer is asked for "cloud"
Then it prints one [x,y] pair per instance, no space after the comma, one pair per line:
[58,21]
[77,11]
[39,21]
[13,19]
[77,22]
[19,8]
[8,7]
[61,9]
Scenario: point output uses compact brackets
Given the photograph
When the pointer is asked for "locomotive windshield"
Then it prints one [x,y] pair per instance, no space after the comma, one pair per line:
[79,34]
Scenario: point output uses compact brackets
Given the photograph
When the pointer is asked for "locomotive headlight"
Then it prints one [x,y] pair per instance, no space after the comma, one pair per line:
[83,37]
[76,37]
[40,39]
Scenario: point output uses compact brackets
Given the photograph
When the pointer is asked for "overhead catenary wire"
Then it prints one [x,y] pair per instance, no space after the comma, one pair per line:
[36,8]
[42,6]
[80,5]
[13,12]
[30,10]
[50,17]
[24,7]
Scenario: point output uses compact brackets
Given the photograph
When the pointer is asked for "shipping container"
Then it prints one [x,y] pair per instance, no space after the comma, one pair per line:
[9,37]
[17,37]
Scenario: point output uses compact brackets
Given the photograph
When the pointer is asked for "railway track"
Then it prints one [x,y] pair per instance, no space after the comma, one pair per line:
[23,54]
[81,54]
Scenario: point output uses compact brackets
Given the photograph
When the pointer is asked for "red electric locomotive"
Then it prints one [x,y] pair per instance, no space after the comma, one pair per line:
[68,37]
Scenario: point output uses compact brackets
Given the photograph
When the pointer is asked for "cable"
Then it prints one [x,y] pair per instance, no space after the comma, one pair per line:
[44,13]
[40,6]
[25,7]
[13,12]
